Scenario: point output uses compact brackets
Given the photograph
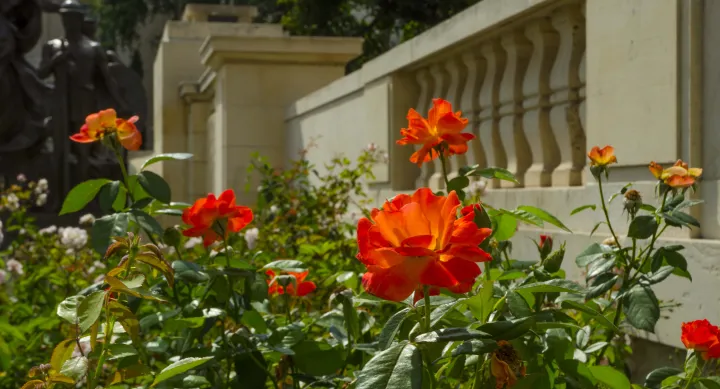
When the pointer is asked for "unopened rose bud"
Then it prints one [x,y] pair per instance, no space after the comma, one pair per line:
[609,242]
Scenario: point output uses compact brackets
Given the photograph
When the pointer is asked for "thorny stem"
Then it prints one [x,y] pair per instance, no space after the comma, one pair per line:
[607,217]
[123,169]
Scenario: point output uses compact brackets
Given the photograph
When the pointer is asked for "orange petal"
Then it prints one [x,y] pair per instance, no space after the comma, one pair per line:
[108,118]
[655,169]
[439,109]
[82,137]
[451,123]
[695,172]
[680,181]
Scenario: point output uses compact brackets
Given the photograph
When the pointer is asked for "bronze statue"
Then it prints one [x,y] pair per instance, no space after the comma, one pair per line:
[22,93]
[83,85]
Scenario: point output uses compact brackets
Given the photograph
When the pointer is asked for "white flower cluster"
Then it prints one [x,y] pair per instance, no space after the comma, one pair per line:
[87,219]
[73,237]
[95,266]
[14,266]
[48,230]
[192,242]
[41,191]
[13,202]
[251,236]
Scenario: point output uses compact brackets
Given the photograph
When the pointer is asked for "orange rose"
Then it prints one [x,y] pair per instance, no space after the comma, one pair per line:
[208,215]
[106,122]
[702,337]
[419,240]
[303,287]
[677,176]
[442,127]
[602,157]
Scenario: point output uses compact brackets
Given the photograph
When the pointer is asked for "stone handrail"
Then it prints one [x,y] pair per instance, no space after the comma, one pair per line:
[516,70]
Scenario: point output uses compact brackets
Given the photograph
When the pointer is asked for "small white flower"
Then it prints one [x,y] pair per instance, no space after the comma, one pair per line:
[13,202]
[48,230]
[3,276]
[14,266]
[95,266]
[73,237]
[87,219]
[371,147]
[192,242]
[41,199]
[21,178]
[274,209]
[42,186]
[22,231]
[251,236]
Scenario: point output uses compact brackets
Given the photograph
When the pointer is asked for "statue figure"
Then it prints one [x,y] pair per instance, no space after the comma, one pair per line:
[22,93]
[83,85]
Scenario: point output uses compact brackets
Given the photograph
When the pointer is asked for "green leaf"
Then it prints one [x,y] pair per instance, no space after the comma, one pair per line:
[398,367]
[643,309]
[166,157]
[119,351]
[600,285]
[491,172]
[108,195]
[439,313]
[11,330]
[666,256]
[552,286]
[392,326]
[711,382]
[196,381]
[253,319]
[594,252]
[600,266]
[612,378]
[517,304]
[508,330]
[597,315]
[505,228]
[458,184]
[316,358]
[475,347]
[688,203]
[595,347]
[179,367]
[510,275]
[68,308]
[680,219]
[105,228]
[146,222]
[642,227]
[75,368]
[582,208]
[482,303]
[450,335]
[155,186]
[660,275]
[189,272]
[82,194]
[655,378]
[544,216]
[89,310]
[286,265]
[251,370]
[579,371]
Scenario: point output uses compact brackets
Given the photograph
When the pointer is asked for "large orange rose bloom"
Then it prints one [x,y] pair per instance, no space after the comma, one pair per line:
[205,213]
[106,122]
[419,240]
[441,126]
[702,337]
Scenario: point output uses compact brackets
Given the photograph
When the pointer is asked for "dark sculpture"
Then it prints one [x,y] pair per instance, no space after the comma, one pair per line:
[37,118]
[22,93]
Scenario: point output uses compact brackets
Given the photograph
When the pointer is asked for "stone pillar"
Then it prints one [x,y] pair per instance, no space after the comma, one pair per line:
[255,80]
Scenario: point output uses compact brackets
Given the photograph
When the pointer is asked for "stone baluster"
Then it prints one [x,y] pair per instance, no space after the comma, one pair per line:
[495,60]
[565,83]
[475,65]
[458,76]
[425,82]
[581,96]
[441,83]
[536,90]
[519,155]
